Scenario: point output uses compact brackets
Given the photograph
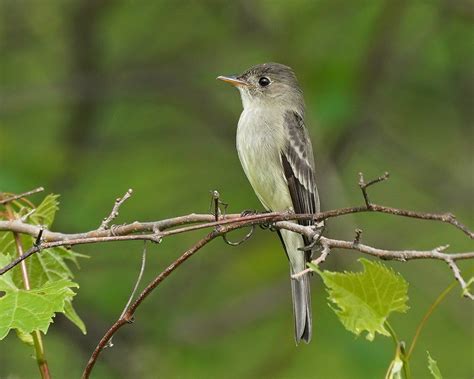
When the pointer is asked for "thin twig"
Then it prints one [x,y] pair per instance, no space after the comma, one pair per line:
[115,210]
[128,316]
[363,186]
[135,287]
[26,215]
[21,195]
[457,274]
[322,257]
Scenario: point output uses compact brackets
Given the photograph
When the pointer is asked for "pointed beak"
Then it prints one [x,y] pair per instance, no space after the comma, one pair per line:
[233,80]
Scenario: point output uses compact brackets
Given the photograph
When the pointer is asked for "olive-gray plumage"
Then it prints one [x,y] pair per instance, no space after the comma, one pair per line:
[277,157]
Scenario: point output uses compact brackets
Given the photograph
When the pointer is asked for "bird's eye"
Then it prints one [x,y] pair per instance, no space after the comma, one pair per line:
[264,81]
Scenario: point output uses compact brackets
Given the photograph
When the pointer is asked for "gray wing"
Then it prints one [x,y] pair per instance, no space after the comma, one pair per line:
[298,164]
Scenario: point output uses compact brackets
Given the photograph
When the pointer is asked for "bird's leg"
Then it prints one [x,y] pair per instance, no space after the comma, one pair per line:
[319,229]
[253,212]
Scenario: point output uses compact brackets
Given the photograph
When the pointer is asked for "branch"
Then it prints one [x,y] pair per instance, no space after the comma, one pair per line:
[118,203]
[21,195]
[457,274]
[222,224]
[135,287]
[127,317]
[363,186]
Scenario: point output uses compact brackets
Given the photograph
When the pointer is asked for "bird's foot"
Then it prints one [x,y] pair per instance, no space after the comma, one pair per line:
[253,212]
[249,212]
[319,229]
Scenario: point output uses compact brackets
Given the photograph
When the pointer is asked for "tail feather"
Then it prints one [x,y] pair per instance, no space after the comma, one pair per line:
[301,296]
[300,287]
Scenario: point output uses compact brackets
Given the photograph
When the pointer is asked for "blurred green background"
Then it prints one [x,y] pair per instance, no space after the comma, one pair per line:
[100,96]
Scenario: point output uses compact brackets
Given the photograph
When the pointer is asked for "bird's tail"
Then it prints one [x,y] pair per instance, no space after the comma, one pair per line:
[300,287]
[301,296]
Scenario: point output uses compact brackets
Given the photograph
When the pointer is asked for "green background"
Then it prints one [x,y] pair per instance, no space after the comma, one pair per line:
[100,96]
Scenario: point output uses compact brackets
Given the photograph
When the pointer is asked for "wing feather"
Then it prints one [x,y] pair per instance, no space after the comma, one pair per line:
[298,165]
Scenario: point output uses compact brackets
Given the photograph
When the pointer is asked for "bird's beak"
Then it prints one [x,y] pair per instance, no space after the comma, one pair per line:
[233,80]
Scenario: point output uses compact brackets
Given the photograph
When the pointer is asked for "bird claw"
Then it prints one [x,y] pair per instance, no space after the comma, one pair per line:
[248,212]
[319,229]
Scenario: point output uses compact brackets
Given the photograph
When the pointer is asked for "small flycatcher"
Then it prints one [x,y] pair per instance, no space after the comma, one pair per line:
[276,154]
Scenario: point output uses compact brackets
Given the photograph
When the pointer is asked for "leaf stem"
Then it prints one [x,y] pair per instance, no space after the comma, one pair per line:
[400,350]
[427,315]
[36,335]
[392,333]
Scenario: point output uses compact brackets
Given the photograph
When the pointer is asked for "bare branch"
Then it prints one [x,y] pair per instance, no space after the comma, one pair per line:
[127,318]
[202,221]
[363,186]
[457,274]
[115,210]
[322,257]
[21,195]
[135,287]
[222,224]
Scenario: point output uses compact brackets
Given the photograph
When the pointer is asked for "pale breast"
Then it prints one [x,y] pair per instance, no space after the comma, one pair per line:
[260,140]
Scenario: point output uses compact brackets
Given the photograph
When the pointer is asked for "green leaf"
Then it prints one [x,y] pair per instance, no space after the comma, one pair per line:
[7,244]
[25,337]
[49,265]
[34,309]
[364,300]
[45,212]
[433,367]
[26,311]
[71,314]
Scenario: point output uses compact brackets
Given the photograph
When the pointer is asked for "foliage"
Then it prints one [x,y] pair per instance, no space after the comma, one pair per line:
[49,276]
[433,367]
[364,300]
[101,96]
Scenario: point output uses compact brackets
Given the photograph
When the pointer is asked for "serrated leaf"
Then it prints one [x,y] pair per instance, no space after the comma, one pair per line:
[433,367]
[364,300]
[34,309]
[45,212]
[26,311]
[49,265]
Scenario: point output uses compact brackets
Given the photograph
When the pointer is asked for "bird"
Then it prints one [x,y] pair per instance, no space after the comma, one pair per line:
[276,155]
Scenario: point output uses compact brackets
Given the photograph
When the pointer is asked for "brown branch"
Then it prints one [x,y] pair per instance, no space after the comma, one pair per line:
[327,243]
[457,274]
[363,186]
[222,224]
[127,317]
[21,195]
[126,232]
[115,210]
[135,288]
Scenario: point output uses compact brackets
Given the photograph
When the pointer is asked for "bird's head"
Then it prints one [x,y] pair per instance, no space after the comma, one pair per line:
[266,85]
